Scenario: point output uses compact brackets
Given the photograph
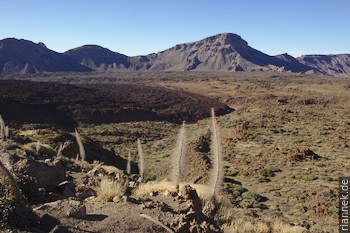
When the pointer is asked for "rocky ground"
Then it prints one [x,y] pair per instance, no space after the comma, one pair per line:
[284,145]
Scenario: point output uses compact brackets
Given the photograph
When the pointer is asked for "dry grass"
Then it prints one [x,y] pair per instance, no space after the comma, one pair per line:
[236,220]
[165,185]
[108,189]
[265,225]
[44,149]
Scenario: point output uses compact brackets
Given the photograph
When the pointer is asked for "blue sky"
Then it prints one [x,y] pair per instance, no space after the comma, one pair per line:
[139,27]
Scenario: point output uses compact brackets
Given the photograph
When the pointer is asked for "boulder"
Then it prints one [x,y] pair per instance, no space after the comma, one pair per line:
[46,176]
[76,211]
[13,209]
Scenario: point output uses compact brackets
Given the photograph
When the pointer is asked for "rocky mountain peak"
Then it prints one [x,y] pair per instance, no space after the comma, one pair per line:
[230,39]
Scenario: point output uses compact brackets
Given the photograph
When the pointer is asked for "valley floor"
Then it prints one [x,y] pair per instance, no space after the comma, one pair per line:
[285,145]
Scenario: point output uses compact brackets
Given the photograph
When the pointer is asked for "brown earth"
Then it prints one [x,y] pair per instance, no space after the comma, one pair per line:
[68,105]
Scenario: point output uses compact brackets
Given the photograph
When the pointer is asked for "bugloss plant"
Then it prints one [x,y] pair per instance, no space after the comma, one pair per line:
[179,155]
[81,146]
[217,173]
[37,147]
[2,129]
[141,160]
[128,165]
[7,132]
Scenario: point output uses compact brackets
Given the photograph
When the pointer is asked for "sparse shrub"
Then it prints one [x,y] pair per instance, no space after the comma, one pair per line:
[252,196]
[263,179]
[309,177]
[235,190]
[232,173]
[328,193]
[150,177]
[325,177]
[251,200]
[266,172]
[333,211]
[248,203]
[269,171]
[246,173]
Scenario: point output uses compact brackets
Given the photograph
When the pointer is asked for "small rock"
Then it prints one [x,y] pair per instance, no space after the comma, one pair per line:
[132,184]
[305,225]
[86,193]
[143,206]
[116,199]
[153,193]
[76,211]
[47,222]
[166,193]
[125,199]
[51,196]
[66,189]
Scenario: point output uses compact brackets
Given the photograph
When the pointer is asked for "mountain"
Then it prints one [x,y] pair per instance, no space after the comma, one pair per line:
[328,64]
[98,58]
[23,56]
[225,51]
[222,52]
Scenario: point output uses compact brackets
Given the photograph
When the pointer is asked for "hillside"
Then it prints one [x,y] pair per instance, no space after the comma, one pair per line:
[98,58]
[328,64]
[23,56]
[223,52]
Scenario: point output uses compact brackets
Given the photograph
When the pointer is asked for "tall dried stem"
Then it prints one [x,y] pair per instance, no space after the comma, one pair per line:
[2,128]
[128,165]
[141,160]
[217,173]
[81,146]
[179,155]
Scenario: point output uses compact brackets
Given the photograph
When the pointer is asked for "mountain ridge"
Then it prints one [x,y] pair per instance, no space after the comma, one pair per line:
[23,56]
[221,52]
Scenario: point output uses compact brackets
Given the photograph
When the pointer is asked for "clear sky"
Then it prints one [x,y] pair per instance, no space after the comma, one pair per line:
[140,27]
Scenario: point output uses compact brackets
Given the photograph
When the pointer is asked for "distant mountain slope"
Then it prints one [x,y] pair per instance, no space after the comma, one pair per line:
[22,56]
[222,52]
[328,64]
[225,51]
[98,58]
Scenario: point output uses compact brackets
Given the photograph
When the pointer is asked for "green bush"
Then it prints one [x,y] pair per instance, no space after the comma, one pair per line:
[333,211]
[269,171]
[251,196]
[232,173]
[263,179]
[309,177]
[150,177]
[235,190]
[246,203]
